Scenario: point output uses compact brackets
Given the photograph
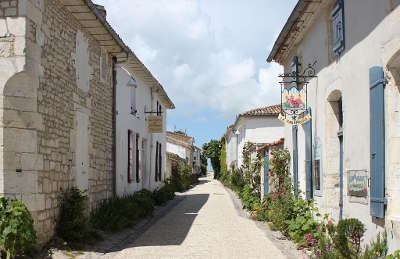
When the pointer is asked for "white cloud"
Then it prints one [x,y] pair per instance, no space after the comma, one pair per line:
[238,72]
[141,48]
[182,71]
[207,54]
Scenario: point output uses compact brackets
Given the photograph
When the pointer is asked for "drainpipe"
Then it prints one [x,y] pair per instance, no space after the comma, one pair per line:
[114,127]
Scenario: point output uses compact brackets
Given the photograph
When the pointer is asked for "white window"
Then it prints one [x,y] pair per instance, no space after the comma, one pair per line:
[132,84]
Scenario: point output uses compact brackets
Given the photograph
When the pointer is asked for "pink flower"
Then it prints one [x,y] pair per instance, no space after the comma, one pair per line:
[330,223]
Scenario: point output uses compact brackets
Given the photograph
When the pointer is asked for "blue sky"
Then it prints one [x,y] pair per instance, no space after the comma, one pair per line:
[208,54]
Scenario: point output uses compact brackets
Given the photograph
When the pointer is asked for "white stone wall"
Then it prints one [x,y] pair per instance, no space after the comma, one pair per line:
[145,102]
[177,149]
[257,130]
[370,30]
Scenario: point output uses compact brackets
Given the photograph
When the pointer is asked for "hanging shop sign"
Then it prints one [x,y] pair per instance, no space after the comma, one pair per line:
[155,124]
[294,93]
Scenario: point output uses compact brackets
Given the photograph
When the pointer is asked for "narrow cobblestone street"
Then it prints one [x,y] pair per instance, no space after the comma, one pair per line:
[205,224]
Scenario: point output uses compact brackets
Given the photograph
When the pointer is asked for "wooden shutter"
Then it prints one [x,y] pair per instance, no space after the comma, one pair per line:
[338,27]
[156,165]
[377,141]
[308,162]
[137,159]
[159,162]
[295,160]
[129,156]
[266,172]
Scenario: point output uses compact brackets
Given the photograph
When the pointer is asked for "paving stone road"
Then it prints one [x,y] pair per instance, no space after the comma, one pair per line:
[205,224]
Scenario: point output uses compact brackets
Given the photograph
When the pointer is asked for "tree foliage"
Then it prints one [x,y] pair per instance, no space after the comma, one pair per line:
[212,150]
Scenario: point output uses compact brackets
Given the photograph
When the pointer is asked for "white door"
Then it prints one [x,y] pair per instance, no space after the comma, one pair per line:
[82,151]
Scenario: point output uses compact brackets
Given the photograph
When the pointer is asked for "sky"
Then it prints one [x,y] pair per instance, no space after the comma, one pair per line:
[209,55]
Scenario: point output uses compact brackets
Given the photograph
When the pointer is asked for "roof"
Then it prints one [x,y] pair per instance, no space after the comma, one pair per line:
[267,111]
[94,22]
[273,110]
[301,16]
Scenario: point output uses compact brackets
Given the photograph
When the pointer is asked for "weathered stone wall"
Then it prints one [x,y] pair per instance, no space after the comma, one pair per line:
[41,81]
[58,100]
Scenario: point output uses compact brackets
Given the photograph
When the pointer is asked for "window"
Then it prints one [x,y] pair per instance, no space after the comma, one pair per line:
[159,109]
[132,84]
[130,156]
[317,175]
[159,161]
[338,27]
[137,160]
[158,165]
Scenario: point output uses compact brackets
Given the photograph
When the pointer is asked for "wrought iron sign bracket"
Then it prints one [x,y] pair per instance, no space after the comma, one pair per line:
[294,93]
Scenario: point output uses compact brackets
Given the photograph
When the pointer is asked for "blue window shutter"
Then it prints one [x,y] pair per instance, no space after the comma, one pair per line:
[295,160]
[266,172]
[377,141]
[338,27]
[308,141]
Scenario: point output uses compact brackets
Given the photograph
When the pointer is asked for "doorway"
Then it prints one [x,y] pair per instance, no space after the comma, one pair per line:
[335,152]
[82,150]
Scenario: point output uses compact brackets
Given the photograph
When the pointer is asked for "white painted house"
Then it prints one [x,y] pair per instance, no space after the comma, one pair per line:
[348,155]
[258,126]
[141,155]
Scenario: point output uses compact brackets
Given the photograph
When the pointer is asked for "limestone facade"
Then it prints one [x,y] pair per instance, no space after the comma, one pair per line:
[57,109]
[371,40]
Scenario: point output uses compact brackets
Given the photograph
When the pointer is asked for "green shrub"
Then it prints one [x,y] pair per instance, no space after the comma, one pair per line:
[249,200]
[348,236]
[395,255]
[377,248]
[302,226]
[17,235]
[324,247]
[182,178]
[164,194]
[72,224]
[237,180]
[117,213]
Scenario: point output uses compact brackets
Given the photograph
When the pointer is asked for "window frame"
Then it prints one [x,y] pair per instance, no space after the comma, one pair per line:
[317,156]
[137,157]
[156,164]
[338,16]
[130,156]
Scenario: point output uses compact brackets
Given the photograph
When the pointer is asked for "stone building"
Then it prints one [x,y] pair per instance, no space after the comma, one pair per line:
[141,153]
[181,145]
[196,164]
[257,126]
[58,63]
[346,157]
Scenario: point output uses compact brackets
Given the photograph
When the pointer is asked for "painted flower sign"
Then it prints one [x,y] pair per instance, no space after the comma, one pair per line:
[294,93]
[293,99]
[294,106]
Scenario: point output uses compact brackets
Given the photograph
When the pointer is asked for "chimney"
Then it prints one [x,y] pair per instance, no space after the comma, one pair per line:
[101,10]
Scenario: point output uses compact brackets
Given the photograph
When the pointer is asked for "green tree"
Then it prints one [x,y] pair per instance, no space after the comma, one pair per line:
[212,150]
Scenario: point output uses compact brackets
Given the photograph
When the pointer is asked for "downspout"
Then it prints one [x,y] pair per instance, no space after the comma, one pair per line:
[114,127]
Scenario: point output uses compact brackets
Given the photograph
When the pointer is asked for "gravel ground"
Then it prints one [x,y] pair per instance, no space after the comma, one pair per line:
[205,222]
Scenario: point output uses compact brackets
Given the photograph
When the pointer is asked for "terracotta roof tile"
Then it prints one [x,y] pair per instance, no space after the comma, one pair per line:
[263,111]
